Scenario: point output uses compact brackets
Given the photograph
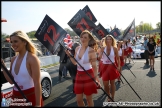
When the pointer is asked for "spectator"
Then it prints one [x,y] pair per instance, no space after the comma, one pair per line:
[146,50]
[151,45]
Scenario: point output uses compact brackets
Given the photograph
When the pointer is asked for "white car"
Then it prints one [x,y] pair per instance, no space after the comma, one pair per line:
[138,51]
[46,82]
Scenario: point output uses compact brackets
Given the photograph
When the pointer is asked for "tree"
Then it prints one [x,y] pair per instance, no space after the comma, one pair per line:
[31,34]
[4,35]
[72,33]
[158,25]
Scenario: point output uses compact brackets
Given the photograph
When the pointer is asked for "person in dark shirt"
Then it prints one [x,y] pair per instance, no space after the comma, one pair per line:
[151,45]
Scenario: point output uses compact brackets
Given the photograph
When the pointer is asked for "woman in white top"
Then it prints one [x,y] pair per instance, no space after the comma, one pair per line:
[25,69]
[126,48]
[86,56]
[129,50]
[101,44]
[109,70]
[121,55]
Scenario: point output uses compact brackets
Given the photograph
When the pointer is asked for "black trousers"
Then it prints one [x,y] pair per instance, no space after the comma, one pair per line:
[146,56]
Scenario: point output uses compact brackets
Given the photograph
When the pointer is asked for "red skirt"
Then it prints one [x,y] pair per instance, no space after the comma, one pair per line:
[84,84]
[109,72]
[121,61]
[130,50]
[125,52]
[30,95]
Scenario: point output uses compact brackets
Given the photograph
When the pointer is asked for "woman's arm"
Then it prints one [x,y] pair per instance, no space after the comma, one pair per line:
[148,47]
[100,53]
[117,57]
[93,61]
[4,73]
[123,53]
[35,73]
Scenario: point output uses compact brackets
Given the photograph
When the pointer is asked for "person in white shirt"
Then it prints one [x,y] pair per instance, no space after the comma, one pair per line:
[129,50]
[121,55]
[86,57]
[25,69]
[109,70]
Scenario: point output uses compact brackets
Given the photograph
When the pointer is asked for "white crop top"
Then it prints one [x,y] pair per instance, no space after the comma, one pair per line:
[105,59]
[129,44]
[84,61]
[23,79]
[124,46]
[120,52]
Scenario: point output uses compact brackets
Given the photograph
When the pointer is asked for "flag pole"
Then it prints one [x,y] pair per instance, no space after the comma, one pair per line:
[122,75]
[88,73]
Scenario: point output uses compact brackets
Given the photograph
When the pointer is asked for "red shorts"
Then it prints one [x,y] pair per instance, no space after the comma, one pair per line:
[130,50]
[121,61]
[109,72]
[30,95]
[84,84]
[125,52]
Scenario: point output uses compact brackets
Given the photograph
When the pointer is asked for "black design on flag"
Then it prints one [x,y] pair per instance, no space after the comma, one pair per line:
[115,33]
[130,31]
[100,32]
[81,22]
[89,13]
[50,34]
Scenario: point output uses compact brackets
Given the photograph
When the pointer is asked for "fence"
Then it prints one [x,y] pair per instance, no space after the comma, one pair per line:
[45,60]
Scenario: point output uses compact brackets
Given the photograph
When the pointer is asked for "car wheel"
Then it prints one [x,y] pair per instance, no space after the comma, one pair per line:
[46,88]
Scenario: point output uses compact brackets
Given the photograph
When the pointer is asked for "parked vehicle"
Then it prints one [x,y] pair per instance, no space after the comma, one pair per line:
[46,82]
[138,51]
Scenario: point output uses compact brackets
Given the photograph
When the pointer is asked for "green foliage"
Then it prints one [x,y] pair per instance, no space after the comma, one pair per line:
[144,27]
[71,32]
[158,25]
[31,34]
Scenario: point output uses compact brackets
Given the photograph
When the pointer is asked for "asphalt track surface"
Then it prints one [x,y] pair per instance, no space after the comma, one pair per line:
[147,85]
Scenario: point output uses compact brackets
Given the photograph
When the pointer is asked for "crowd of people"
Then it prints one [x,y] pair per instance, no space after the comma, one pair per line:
[111,55]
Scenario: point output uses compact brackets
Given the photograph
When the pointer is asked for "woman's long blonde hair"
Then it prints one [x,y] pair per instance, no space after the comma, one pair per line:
[30,45]
[113,40]
[93,42]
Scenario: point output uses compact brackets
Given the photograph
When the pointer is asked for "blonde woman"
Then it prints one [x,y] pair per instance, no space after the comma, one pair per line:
[86,57]
[108,70]
[25,69]
[102,44]
[121,56]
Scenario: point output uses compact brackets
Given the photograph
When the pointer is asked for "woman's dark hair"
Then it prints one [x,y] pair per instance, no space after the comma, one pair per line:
[152,39]
[126,43]
[118,44]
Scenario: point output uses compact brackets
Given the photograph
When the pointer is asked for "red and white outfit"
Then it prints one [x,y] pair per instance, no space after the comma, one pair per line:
[108,70]
[129,48]
[83,83]
[68,41]
[125,47]
[24,81]
[121,58]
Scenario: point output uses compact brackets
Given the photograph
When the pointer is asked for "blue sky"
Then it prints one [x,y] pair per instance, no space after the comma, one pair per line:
[27,16]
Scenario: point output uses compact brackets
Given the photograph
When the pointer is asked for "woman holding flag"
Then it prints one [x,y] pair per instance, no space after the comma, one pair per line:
[109,70]
[86,57]
[125,47]
[121,56]
[129,50]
